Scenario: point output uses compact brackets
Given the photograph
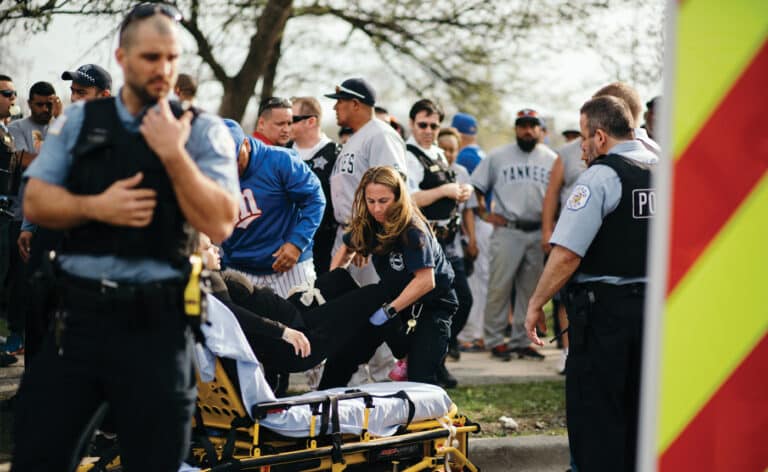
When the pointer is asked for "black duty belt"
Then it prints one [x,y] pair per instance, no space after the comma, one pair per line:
[78,291]
[523,225]
[602,288]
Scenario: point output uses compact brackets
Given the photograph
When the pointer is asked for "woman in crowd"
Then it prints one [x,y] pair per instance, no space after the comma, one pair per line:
[449,141]
[416,280]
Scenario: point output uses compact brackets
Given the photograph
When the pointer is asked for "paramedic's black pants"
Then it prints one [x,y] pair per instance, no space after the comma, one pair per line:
[138,361]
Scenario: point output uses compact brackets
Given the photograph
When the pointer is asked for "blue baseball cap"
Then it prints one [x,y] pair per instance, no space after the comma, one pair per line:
[465,123]
[237,133]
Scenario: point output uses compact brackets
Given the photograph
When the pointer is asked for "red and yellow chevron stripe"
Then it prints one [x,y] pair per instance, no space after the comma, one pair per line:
[714,392]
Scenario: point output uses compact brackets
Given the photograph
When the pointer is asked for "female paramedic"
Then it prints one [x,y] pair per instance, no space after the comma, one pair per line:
[415,277]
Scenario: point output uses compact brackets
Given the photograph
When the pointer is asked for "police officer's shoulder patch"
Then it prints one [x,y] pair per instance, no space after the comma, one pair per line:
[579,198]
[221,140]
[57,125]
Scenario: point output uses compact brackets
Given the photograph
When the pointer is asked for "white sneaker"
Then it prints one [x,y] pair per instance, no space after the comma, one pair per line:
[561,361]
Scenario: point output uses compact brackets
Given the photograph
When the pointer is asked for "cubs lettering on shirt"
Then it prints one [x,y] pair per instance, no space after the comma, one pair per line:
[375,144]
[517,180]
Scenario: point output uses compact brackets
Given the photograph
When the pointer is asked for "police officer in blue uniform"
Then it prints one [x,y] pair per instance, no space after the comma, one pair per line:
[129,179]
[600,244]
[415,277]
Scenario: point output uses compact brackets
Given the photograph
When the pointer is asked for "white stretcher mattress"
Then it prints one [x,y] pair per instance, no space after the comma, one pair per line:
[225,338]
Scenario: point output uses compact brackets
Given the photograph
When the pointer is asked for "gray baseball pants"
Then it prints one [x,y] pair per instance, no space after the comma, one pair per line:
[516,259]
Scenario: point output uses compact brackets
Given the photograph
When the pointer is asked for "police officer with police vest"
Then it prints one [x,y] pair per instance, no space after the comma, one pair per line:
[434,188]
[130,180]
[10,171]
[600,244]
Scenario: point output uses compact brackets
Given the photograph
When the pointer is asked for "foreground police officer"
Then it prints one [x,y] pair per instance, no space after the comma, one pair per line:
[129,183]
[602,236]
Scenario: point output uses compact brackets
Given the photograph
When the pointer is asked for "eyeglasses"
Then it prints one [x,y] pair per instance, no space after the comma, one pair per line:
[432,126]
[147,9]
[7,93]
[274,102]
[298,118]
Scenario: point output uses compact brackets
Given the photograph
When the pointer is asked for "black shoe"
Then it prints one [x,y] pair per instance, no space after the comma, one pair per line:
[453,351]
[7,359]
[502,352]
[530,352]
[445,379]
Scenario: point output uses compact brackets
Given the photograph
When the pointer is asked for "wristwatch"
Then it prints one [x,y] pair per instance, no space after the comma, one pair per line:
[389,310]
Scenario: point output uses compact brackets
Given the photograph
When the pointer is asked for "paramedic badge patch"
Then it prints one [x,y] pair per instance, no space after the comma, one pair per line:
[579,198]
[396,261]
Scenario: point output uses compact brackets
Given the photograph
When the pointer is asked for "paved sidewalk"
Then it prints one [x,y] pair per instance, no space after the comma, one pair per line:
[479,368]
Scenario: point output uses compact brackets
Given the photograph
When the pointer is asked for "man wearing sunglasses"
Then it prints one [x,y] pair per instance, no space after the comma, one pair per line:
[273,126]
[8,161]
[130,180]
[319,153]
[434,187]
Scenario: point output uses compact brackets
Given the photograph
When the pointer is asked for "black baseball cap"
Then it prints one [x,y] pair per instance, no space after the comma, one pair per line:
[355,89]
[89,75]
[528,115]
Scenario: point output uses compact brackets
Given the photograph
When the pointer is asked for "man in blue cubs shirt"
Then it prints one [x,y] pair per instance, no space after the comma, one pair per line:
[128,180]
[282,206]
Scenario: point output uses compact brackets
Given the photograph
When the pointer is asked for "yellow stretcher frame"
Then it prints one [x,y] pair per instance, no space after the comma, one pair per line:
[234,438]
[423,445]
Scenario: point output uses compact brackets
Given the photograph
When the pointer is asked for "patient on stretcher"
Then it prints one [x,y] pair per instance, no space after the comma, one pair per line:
[225,339]
[296,334]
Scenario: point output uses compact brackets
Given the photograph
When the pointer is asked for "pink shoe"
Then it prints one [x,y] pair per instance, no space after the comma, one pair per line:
[399,373]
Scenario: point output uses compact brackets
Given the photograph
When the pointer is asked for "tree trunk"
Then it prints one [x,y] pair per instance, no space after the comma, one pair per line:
[270,26]
[268,81]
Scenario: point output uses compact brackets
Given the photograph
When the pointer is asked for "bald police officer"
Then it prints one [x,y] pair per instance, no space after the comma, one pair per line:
[517,176]
[129,183]
[601,240]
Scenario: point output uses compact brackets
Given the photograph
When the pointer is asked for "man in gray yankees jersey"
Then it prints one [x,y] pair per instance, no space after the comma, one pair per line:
[517,174]
[373,143]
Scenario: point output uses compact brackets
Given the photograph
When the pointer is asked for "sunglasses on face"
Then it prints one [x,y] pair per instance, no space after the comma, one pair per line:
[274,102]
[147,9]
[8,93]
[432,126]
[298,118]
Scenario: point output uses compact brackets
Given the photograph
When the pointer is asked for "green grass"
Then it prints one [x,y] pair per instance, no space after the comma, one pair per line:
[538,407]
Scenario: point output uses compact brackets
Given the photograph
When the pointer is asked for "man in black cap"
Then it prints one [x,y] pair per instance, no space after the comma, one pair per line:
[373,143]
[89,81]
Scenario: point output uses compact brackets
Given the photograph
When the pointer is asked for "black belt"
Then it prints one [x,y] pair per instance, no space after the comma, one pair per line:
[82,292]
[637,288]
[523,225]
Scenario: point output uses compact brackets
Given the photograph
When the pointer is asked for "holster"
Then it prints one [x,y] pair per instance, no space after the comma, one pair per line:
[578,301]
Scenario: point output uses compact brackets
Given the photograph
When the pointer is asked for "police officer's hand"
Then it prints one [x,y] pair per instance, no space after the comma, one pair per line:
[546,235]
[299,342]
[457,192]
[163,132]
[531,320]
[122,204]
[25,242]
[285,257]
